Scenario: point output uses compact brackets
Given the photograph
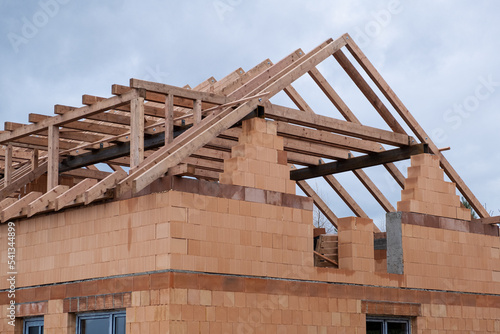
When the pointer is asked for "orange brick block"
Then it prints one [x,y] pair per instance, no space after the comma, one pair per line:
[425,160]
[426,171]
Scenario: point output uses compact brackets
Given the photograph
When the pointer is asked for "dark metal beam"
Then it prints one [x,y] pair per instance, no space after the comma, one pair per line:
[364,161]
[123,149]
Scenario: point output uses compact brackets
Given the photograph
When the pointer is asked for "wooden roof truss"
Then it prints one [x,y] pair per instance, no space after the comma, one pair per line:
[156,129]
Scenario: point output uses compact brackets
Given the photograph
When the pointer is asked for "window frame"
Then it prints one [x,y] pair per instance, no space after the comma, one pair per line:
[111,315]
[32,322]
[385,320]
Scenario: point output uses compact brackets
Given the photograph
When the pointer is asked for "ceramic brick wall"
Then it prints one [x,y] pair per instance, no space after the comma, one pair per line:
[436,258]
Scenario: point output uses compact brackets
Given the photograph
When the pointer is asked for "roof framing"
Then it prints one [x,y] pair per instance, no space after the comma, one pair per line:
[157,129]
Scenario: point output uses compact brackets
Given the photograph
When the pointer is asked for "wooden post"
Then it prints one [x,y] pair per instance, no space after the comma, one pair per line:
[136,131]
[169,119]
[8,166]
[197,112]
[53,167]
[34,159]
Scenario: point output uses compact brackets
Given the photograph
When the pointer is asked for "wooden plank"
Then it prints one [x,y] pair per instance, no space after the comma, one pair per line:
[87,173]
[181,170]
[325,258]
[177,91]
[72,116]
[6,202]
[43,202]
[136,131]
[8,165]
[16,208]
[100,188]
[53,160]
[169,119]
[358,162]
[320,122]
[70,196]
[320,204]
[415,126]
[23,180]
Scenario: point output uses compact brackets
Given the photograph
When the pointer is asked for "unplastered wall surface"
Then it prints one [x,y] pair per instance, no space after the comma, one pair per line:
[436,258]
[96,241]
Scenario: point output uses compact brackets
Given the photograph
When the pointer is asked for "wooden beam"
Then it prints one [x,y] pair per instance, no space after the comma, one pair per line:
[197,112]
[34,159]
[87,173]
[53,160]
[181,170]
[72,116]
[415,126]
[324,123]
[177,91]
[364,161]
[8,166]
[488,220]
[16,209]
[99,189]
[136,131]
[71,196]
[43,202]
[325,258]
[6,202]
[169,119]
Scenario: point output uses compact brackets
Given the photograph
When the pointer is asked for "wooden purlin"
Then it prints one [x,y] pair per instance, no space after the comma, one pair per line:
[212,126]
[414,126]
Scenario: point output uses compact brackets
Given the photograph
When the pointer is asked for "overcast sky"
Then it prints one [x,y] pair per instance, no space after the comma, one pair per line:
[440,57]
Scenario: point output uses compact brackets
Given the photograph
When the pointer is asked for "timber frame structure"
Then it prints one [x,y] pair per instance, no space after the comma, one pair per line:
[157,130]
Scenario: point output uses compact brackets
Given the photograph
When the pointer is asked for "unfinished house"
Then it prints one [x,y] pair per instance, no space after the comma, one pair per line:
[167,209]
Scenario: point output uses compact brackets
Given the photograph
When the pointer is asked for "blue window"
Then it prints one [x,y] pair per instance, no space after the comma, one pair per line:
[101,323]
[33,326]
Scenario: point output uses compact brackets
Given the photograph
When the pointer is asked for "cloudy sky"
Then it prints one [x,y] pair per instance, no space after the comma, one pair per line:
[440,57]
